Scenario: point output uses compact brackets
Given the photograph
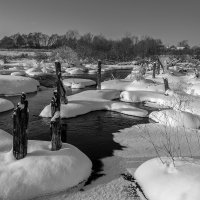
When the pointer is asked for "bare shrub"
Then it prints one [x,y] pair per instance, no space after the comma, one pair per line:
[41,56]
[64,54]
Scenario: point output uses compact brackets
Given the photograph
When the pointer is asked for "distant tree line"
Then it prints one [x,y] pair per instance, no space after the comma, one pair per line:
[89,46]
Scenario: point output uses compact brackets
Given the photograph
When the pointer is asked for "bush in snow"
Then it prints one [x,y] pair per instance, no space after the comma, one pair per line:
[64,54]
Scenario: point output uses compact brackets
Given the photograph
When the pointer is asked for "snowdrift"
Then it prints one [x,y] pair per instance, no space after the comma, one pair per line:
[165,180]
[176,118]
[93,100]
[12,85]
[5,105]
[42,171]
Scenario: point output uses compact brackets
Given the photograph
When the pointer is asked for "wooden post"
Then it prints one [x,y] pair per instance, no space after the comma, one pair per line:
[59,84]
[154,70]
[99,75]
[158,68]
[20,125]
[55,125]
[196,73]
[56,142]
[166,84]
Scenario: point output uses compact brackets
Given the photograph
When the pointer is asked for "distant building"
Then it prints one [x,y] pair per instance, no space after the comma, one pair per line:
[176,48]
[180,48]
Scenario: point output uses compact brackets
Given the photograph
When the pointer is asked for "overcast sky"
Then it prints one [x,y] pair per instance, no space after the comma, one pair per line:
[168,20]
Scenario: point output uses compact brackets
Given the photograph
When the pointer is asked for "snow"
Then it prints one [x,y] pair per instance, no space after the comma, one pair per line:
[164,181]
[32,72]
[170,176]
[42,171]
[176,118]
[146,96]
[176,82]
[78,82]
[138,141]
[194,89]
[177,101]
[74,71]
[21,73]
[93,100]
[5,105]
[121,66]
[12,85]
[125,84]
[92,71]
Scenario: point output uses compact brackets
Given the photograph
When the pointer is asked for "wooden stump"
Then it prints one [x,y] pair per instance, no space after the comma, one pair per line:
[20,125]
[55,126]
[154,71]
[99,75]
[59,84]
[158,68]
[166,84]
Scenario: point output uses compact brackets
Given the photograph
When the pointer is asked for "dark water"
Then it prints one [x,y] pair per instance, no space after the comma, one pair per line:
[49,80]
[107,75]
[91,133]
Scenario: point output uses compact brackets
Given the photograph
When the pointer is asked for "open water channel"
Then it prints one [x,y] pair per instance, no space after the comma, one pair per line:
[91,133]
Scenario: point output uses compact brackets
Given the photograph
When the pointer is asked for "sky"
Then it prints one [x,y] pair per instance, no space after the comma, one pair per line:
[169,20]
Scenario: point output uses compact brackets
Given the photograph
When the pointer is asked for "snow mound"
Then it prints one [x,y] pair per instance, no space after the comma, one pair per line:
[5,105]
[127,85]
[27,63]
[168,181]
[176,118]
[140,140]
[74,71]
[176,82]
[79,82]
[34,72]
[21,73]
[177,101]
[12,85]
[146,96]
[77,85]
[42,171]
[194,89]
[93,100]
[92,71]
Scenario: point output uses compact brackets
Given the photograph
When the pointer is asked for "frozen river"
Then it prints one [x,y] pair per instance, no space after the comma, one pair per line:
[91,133]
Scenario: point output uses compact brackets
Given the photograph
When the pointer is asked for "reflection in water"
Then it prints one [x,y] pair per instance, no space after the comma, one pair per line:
[64,132]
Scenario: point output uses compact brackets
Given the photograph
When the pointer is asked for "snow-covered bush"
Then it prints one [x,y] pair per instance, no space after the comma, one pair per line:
[65,54]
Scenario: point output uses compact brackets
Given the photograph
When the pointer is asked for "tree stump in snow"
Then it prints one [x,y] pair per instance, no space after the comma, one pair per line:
[55,125]
[196,73]
[59,84]
[154,70]
[166,84]
[56,142]
[99,75]
[20,125]
[158,68]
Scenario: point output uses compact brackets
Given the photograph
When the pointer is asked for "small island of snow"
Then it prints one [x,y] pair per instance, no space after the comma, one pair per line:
[42,171]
